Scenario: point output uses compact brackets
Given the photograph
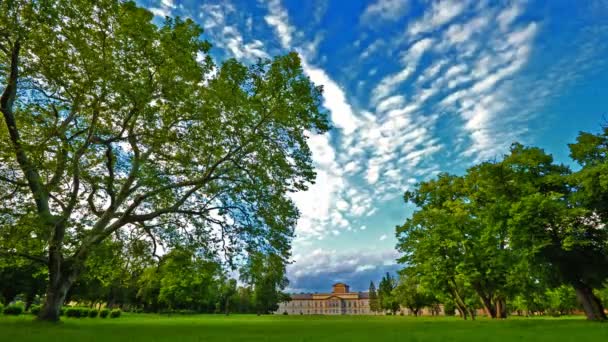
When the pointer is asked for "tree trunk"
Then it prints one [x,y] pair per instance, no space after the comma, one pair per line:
[29,299]
[62,275]
[594,310]
[488,306]
[55,296]
[501,308]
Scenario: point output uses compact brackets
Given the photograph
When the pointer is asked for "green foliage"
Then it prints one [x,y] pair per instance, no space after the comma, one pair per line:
[511,229]
[374,306]
[103,313]
[93,313]
[386,296]
[266,274]
[115,313]
[14,309]
[409,293]
[35,309]
[77,312]
[104,105]
[561,300]
[1,307]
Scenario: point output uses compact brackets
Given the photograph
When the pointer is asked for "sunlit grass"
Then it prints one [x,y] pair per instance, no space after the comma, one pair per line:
[132,327]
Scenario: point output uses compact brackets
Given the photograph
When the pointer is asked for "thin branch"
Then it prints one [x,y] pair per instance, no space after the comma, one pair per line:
[26,256]
[14,182]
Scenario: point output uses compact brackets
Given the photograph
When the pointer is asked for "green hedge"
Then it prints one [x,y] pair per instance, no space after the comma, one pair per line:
[103,313]
[93,313]
[14,309]
[115,313]
[77,312]
[1,307]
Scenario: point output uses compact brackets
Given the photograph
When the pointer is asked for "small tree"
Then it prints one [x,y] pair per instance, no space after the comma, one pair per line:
[410,294]
[373,298]
[387,300]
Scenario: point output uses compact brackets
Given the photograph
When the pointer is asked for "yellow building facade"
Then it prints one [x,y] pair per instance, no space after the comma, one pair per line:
[339,302]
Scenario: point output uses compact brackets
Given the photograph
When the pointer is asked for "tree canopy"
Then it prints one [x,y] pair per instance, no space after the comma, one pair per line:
[504,227]
[112,123]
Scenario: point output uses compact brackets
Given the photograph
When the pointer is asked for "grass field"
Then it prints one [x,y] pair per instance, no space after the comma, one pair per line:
[131,327]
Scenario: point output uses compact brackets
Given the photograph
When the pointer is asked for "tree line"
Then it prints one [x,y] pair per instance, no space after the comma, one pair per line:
[115,126]
[520,234]
[124,275]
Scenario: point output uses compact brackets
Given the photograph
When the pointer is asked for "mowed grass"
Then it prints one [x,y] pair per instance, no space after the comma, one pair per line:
[132,327]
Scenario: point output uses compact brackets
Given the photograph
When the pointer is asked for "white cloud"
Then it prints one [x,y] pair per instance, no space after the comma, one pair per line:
[389,83]
[384,10]
[334,99]
[440,13]
[168,3]
[507,16]
[383,237]
[279,19]
[160,12]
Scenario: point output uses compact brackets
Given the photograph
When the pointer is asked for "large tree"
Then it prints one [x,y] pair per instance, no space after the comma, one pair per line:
[506,226]
[111,123]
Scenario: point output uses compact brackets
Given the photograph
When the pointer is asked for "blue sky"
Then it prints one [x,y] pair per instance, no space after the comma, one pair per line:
[413,88]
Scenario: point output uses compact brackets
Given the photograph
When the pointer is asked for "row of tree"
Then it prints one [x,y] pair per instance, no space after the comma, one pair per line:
[112,125]
[513,233]
[126,276]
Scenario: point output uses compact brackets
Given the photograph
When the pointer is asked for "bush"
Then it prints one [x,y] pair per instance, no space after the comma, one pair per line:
[35,309]
[103,313]
[93,313]
[62,311]
[72,312]
[115,313]
[14,309]
[1,307]
[77,312]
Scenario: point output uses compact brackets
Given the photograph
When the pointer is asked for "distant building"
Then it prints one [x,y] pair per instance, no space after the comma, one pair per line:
[339,302]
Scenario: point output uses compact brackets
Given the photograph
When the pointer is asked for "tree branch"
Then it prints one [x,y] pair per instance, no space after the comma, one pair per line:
[35,258]
[7,101]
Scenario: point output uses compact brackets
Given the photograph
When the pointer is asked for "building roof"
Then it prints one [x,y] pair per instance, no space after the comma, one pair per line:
[301,296]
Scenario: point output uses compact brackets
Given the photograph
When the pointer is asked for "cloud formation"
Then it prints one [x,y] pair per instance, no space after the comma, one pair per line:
[384,10]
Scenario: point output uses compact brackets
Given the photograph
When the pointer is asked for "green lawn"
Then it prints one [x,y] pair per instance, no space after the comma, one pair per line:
[150,328]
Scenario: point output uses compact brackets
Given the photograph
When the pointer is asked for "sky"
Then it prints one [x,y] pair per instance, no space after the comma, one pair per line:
[412,88]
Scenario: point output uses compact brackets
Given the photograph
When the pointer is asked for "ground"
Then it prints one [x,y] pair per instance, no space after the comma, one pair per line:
[131,327]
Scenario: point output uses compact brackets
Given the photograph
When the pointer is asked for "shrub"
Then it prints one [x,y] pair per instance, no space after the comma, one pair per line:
[77,312]
[93,313]
[14,309]
[62,311]
[35,309]
[103,313]
[115,313]
[1,307]
[72,312]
